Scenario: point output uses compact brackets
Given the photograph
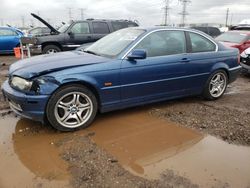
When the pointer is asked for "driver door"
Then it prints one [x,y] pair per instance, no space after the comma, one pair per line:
[78,35]
[161,74]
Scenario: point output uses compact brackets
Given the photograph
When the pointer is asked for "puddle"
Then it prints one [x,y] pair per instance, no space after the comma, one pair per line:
[147,146]
[29,160]
[144,145]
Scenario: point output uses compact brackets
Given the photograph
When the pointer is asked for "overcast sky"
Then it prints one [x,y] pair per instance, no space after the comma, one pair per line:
[147,12]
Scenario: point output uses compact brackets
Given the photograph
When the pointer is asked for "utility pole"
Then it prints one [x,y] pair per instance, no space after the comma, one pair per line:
[184,12]
[23,21]
[166,12]
[231,21]
[70,14]
[82,13]
[227,16]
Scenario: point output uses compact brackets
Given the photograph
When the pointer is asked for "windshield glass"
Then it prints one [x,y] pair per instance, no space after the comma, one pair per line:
[234,37]
[114,43]
[63,28]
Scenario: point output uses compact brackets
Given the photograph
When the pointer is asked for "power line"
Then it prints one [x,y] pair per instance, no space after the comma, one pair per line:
[184,12]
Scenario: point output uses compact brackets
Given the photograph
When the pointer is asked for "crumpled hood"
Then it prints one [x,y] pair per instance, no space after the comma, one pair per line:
[42,64]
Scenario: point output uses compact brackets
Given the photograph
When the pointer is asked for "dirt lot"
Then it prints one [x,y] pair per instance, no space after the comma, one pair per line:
[149,146]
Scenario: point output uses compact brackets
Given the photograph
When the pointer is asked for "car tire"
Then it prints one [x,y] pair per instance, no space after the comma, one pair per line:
[216,85]
[71,108]
[51,49]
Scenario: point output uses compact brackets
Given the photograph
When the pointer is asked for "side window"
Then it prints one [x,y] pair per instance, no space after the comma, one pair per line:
[100,28]
[200,43]
[163,43]
[80,28]
[7,32]
[214,31]
[118,25]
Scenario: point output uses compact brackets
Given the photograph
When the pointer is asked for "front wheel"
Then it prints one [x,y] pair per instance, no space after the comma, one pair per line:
[71,108]
[51,49]
[216,85]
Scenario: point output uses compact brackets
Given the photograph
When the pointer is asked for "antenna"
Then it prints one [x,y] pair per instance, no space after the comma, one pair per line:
[184,12]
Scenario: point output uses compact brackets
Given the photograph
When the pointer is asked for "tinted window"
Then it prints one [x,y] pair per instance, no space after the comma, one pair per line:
[200,43]
[7,32]
[203,29]
[80,28]
[214,31]
[100,27]
[163,43]
[121,25]
[36,31]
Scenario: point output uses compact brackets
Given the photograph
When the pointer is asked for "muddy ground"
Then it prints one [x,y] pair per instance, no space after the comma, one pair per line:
[94,161]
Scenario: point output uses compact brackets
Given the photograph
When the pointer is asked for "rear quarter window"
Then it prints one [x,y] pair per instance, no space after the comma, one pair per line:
[200,43]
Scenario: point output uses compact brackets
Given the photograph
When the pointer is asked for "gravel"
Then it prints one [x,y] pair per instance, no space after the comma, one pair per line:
[91,166]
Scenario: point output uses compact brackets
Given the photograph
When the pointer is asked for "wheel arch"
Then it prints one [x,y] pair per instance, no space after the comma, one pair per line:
[52,43]
[86,84]
[221,66]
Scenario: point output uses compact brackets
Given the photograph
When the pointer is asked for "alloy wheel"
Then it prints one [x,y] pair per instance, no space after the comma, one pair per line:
[73,109]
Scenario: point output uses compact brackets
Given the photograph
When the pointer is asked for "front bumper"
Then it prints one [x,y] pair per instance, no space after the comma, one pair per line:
[245,68]
[36,49]
[28,106]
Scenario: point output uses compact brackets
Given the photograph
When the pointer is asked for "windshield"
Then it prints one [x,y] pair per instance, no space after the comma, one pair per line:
[234,37]
[63,28]
[114,43]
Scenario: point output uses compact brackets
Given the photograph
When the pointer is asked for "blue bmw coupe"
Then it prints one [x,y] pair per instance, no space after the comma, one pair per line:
[129,67]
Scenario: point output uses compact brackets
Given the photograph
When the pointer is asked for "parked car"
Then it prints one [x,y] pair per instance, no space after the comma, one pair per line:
[9,39]
[245,60]
[129,67]
[236,38]
[72,35]
[212,31]
[38,31]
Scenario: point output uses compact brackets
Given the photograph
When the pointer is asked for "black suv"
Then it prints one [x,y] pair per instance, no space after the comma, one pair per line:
[76,33]
[212,31]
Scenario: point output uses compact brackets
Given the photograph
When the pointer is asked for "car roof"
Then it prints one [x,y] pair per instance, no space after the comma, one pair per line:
[11,28]
[240,31]
[6,27]
[105,20]
[169,28]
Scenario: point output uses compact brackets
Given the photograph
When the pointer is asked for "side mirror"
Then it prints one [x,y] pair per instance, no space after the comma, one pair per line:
[71,34]
[137,54]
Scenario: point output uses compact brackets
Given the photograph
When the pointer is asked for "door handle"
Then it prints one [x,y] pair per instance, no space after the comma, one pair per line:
[185,60]
[89,37]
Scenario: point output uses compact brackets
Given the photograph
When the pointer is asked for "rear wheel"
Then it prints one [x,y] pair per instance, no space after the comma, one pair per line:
[51,49]
[216,85]
[71,108]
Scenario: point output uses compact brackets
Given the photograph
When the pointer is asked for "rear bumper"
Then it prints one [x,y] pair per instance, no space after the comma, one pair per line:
[28,106]
[233,73]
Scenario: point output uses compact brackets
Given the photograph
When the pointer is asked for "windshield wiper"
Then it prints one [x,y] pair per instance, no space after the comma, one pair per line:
[91,52]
